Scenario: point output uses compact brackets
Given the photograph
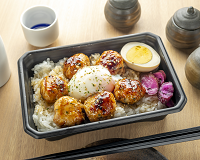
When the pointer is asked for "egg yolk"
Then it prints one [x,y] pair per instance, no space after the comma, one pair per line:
[139,55]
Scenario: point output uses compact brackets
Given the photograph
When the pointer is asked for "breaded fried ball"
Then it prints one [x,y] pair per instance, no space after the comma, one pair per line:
[128,91]
[52,88]
[68,112]
[113,61]
[100,106]
[74,63]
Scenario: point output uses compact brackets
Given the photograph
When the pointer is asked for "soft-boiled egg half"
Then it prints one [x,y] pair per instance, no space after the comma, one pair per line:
[140,57]
[89,80]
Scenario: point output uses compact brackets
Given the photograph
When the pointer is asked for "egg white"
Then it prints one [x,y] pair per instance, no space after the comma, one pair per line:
[147,67]
[89,80]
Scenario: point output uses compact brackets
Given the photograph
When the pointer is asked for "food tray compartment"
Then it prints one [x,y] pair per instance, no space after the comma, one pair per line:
[31,58]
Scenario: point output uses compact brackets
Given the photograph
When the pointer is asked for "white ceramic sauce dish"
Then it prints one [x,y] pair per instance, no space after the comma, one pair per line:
[40,25]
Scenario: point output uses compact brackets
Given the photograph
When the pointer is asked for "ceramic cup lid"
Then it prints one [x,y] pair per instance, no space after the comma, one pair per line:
[187,18]
[123,4]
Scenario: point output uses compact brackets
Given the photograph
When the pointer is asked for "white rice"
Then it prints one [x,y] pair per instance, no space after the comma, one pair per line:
[44,113]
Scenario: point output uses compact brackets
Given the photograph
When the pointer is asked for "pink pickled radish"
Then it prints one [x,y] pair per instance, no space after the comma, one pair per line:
[165,92]
[149,82]
[161,71]
[170,103]
[160,78]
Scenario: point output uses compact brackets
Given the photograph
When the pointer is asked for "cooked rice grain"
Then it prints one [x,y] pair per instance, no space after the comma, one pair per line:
[44,113]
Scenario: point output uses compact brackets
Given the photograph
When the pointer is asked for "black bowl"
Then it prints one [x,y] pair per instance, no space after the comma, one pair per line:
[31,58]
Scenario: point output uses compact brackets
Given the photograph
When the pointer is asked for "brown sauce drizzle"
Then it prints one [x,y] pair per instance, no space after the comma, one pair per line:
[74,60]
[103,103]
[55,83]
[110,60]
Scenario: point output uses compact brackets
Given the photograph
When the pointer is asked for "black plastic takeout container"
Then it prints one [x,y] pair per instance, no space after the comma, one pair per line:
[31,58]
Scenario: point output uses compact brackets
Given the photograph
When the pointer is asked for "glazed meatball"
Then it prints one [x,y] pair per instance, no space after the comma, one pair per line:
[128,91]
[74,63]
[100,106]
[113,61]
[52,88]
[68,112]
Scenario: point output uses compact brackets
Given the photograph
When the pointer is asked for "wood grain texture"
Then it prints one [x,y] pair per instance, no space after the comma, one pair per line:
[83,21]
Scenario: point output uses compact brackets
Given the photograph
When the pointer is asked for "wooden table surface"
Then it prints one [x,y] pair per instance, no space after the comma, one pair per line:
[83,21]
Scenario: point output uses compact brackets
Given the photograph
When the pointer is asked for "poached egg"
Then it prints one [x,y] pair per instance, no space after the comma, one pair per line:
[89,80]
